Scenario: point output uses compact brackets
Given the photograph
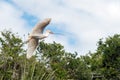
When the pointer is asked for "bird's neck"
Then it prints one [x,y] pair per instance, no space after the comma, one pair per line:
[46,34]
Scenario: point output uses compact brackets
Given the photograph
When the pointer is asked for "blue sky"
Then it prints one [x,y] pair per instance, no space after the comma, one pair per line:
[83,22]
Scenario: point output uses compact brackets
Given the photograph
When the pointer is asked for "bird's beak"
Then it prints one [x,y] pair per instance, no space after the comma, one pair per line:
[58,33]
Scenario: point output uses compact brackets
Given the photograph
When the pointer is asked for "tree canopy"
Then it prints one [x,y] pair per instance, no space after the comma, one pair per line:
[52,62]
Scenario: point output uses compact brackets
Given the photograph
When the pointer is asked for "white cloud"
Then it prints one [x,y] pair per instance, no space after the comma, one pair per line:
[10,18]
[88,20]
[113,10]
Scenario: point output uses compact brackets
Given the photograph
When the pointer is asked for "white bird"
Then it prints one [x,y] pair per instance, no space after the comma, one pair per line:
[36,35]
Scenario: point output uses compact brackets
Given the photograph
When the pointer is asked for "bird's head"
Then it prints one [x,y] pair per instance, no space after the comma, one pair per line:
[49,31]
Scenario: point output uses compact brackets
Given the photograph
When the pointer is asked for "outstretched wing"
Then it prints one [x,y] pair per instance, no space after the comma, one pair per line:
[32,44]
[40,26]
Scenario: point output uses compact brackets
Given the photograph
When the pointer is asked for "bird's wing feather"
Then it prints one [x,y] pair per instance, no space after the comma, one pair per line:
[38,36]
[40,26]
[32,44]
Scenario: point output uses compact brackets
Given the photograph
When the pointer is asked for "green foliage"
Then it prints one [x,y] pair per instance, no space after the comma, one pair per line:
[110,50]
[13,62]
[52,62]
[66,65]
[105,62]
[11,45]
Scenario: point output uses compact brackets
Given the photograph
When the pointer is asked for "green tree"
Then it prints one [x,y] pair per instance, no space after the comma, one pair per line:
[11,47]
[110,49]
[106,60]
[66,65]
[13,62]
[51,62]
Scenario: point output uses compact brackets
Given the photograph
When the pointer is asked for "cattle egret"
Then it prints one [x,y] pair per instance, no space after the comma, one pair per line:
[36,35]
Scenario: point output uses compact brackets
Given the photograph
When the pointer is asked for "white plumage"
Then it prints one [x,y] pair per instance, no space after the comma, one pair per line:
[36,35]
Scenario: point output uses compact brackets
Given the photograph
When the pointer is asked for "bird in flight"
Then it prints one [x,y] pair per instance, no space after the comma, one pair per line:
[36,35]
